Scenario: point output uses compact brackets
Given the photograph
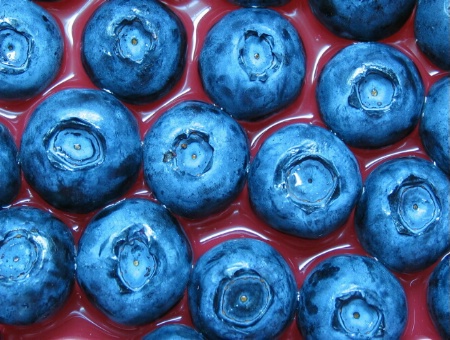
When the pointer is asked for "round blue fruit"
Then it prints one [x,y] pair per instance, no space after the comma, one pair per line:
[195,159]
[31,49]
[252,63]
[402,217]
[10,175]
[37,265]
[362,20]
[351,297]
[304,181]
[432,29]
[437,296]
[135,49]
[174,332]
[242,289]
[434,126]
[370,95]
[81,149]
[134,261]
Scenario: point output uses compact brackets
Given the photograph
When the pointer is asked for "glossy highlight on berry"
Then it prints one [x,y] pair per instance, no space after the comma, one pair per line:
[261,72]
[134,261]
[31,49]
[135,50]
[351,296]
[78,317]
[404,210]
[241,288]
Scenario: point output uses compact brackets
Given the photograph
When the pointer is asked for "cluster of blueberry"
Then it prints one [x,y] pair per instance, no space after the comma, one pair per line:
[81,152]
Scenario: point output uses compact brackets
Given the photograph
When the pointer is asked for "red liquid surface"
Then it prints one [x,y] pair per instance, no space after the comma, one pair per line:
[79,319]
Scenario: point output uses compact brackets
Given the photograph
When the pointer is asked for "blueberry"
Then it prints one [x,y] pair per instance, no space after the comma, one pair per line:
[31,49]
[438,297]
[434,126]
[304,181]
[370,95]
[351,297]
[402,217]
[10,179]
[259,3]
[362,20]
[81,149]
[432,29]
[252,63]
[134,49]
[195,159]
[37,265]
[134,261]
[242,289]
[174,332]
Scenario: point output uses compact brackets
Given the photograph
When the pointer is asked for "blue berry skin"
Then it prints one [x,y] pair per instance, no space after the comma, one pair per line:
[10,176]
[370,94]
[81,149]
[402,216]
[438,297]
[351,297]
[242,289]
[134,261]
[31,49]
[174,332]
[304,181]
[434,126]
[259,3]
[252,63]
[362,20]
[37,265]
[432,29]
[196,159]
[134,49]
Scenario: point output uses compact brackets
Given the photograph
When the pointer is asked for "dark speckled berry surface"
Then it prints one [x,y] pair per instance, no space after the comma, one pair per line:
[362,20]
[138,55]
[78,318]
[370,95]
[351,296]
[402,218]
[31,47]
[241,289]
[196,159]
[252,63]
[10,176]
[304,181]
[134,261]
[37,265]
[174,332]
[435,124]
[438,293]
[432,29]
[81,149]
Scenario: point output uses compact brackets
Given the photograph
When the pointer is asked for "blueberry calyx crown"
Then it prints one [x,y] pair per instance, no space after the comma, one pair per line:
[243,299]
[414,206]
[374,89]
[135,262]
[134,40]
[258,56]
[191,154]
[310,181]
[21,252]
[75,145]
[15,49]
[356,317]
